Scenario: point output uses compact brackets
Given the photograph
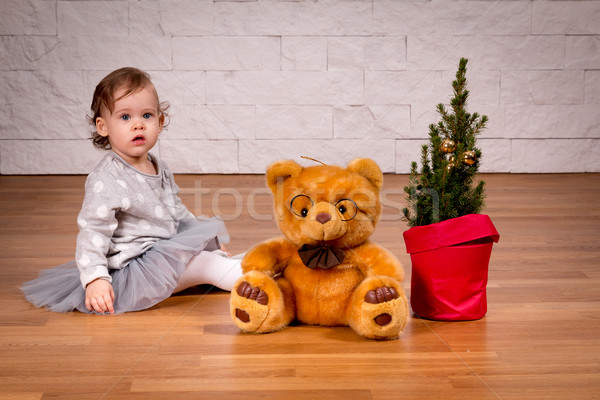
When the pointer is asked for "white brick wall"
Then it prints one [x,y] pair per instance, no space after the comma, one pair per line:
[250,82]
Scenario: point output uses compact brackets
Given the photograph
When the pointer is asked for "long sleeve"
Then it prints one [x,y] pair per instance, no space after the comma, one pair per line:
[97,223]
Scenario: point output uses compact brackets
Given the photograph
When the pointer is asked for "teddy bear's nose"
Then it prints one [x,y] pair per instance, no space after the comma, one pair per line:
[323,217]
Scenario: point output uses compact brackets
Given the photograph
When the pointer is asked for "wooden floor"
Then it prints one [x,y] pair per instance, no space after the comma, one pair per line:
[539,340]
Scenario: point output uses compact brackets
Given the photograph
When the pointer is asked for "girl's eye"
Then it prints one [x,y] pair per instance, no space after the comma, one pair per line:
[125,117]
[147,115]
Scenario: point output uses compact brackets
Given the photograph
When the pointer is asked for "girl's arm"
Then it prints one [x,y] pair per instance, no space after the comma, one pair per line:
[97,224]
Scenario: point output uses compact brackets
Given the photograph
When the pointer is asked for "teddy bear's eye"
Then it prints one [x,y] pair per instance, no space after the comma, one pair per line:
[347,208]
[300,205]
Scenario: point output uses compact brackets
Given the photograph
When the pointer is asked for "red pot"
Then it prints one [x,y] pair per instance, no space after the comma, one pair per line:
[450,267]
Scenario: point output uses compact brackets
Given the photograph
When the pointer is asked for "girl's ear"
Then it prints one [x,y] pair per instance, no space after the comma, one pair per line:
[101,127]
[161,122]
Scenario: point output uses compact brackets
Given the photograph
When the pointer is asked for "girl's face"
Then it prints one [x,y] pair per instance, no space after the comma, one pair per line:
[133,127]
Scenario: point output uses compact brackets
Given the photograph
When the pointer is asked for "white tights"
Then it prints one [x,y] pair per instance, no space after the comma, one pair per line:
[210,268]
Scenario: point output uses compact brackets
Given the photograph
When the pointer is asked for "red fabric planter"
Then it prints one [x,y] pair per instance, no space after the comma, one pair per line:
[450,267]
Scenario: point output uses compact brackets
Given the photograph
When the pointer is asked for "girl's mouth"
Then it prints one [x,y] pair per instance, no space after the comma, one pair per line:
[139,140]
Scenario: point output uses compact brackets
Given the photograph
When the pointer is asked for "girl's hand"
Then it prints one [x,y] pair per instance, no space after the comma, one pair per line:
[99,296]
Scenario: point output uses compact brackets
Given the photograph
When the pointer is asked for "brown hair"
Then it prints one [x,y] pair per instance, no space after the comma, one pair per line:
[133,80]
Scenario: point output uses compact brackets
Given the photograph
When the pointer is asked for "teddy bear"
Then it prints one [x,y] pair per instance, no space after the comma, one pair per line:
[324,270]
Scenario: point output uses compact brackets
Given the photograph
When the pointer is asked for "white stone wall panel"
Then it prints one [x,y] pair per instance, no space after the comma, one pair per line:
[42,86]
[452,18]
[404,87]
[293,18]
[242,53]
[566,17]
[145,18]
[553,121]
[284,87]
[592,87]
[582,52]
[302,53]
[39,157]
[43,121]
[256,155]
[200,156]
[92,18]
[486,52]
[368,122]
[84,52]
[180,87]
[367,53]
[211,122]
[496,155]
[294,122]
[186,18]
[28,17]
[555,155]
[543,87]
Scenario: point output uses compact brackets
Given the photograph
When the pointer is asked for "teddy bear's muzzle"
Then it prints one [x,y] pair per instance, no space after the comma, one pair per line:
[323,223]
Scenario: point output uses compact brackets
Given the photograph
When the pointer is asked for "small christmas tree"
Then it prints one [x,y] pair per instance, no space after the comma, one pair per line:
[443,189]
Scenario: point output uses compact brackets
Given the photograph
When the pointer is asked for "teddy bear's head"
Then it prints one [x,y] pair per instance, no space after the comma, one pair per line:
[326,204]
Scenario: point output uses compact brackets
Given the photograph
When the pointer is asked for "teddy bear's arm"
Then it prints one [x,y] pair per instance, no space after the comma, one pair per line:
[270,256]
[373,259]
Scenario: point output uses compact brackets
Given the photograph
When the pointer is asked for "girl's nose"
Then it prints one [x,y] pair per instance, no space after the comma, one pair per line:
[138,125]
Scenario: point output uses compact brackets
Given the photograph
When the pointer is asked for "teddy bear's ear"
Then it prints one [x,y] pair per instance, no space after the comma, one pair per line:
[369,169]
[281,170]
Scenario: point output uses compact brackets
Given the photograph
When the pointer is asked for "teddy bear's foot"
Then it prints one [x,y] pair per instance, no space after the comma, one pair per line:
[383,313]
[258,303]
[381,295]
[380,309]
[253,293]
[249,307]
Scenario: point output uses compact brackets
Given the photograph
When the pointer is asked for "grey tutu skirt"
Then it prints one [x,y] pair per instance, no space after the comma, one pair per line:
[144,282]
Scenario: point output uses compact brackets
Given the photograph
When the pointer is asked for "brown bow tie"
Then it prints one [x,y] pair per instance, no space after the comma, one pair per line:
[320,256]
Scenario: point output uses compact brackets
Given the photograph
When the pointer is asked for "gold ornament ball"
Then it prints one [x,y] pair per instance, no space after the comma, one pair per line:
[448,146]
[469,157]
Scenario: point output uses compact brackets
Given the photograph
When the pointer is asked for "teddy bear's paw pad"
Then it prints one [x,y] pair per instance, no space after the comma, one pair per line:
[383,319]
[381,295]
[253,293]
[242,315]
